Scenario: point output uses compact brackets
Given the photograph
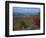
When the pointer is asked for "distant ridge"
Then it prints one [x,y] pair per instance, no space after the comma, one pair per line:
[24,14]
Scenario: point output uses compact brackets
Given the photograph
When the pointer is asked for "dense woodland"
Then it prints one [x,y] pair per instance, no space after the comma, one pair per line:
[26,23]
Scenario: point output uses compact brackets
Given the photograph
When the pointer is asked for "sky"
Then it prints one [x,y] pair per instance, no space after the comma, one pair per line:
[26,10]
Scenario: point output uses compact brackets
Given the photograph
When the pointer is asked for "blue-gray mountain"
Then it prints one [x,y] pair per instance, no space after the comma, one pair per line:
[24,14]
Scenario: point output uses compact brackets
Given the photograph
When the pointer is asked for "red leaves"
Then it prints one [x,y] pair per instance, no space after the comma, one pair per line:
[36,21]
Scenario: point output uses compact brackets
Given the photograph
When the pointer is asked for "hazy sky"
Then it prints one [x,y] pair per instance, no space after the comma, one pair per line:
[25,10]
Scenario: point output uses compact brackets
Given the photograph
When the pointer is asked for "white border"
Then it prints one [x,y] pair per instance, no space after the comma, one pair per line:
[11,32]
